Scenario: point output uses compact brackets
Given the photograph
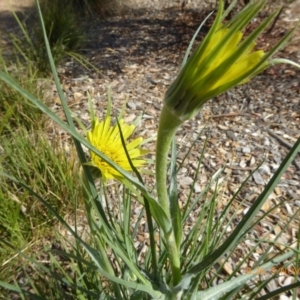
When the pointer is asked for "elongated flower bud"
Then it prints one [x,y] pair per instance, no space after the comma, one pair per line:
[224,59]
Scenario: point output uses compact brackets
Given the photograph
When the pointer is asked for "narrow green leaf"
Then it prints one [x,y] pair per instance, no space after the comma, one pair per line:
[157,212]
[72,132]
[173,198]
[91,109]
[218,291]
[128,284]
[241,228]
[147,208]
[284,61]
[212,181]
[228,10]
[126,259]
[109,102]
[273,294]
[90,188]
[189,48]
[17,289]
[47,270]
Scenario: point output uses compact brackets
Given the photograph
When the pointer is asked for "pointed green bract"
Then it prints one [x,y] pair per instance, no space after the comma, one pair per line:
[224,59]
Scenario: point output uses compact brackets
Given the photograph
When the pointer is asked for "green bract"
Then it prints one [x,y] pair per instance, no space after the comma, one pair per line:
[223,60]
[127,240]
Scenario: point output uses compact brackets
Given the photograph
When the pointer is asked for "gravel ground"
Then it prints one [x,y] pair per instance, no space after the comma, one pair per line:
[139,55]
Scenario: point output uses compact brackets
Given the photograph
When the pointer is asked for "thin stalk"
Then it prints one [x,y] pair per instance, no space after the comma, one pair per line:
[168,126]
[106,265]
[105,262]
[148,212]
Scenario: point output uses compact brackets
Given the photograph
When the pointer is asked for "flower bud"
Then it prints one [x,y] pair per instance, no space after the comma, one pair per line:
[224,59]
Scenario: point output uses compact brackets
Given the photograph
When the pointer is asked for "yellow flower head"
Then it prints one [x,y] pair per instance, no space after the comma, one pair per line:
[107,139]
[224,59]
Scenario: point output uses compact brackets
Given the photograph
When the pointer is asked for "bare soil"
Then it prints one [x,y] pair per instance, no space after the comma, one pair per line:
[7,21]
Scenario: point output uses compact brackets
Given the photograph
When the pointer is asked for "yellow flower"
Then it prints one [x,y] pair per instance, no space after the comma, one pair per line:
[224,59]
[107,139]
[243,64]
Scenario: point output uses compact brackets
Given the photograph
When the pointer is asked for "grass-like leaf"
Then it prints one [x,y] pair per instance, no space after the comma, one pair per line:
[240,230]
[173,198]
[216,292]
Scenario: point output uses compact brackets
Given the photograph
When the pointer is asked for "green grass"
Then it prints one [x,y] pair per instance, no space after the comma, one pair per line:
[64,31]
[15,110]
[63,24]
[100,8]
[51,173]
[27,154]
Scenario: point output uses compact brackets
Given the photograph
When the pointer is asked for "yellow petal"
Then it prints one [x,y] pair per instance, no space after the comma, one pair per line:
[107,139]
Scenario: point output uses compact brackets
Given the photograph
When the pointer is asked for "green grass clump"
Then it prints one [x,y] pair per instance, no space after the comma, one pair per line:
[52,174]
[65,33]
[15,110]
[63,27]
[27,153]
[101,8]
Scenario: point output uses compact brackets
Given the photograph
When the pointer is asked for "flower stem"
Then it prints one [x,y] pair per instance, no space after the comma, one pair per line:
[168,126]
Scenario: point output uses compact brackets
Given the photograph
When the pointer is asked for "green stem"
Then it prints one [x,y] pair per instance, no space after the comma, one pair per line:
[104,261]
[168,126]
[106,264]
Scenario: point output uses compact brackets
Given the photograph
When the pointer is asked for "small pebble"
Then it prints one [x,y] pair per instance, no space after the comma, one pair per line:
[264,169]
[131,105]
[246,149]
[197,188]
[231,135]
[186,181]
[258,179]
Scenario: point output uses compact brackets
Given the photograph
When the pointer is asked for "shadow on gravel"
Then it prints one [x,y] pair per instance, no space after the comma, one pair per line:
[9,25]
[134,37]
